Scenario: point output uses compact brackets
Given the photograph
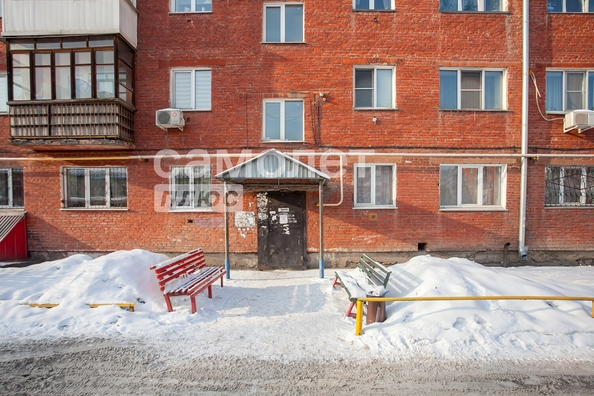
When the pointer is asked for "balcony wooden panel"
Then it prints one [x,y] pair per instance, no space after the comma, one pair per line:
[72,125]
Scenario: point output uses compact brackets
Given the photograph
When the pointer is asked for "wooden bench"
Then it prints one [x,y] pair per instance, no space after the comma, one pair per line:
[370,278]
[186,275]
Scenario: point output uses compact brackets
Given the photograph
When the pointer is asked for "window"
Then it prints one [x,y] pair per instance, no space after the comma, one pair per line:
[569,186]
[283,120]
[570,6]
[191,5]
[471,5]
[375,185]
[3,93]
[283,23]
[569,90]
[472,186]
[95,188]
[192,89]
[373,5]
[71,68]
[374,87]
[471,89]
[12,192]
[190,187]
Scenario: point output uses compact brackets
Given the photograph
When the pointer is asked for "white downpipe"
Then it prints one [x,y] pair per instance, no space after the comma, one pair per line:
[522,248]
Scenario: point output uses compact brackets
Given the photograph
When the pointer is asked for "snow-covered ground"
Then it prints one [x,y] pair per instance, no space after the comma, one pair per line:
[290,316]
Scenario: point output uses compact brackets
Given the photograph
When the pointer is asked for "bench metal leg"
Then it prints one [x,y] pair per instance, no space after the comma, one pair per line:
[168,302]
[209,291]
[336,282]
[349,312]
[193,303]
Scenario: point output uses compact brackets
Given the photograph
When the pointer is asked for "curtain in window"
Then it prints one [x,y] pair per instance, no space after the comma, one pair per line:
[273,17]
[201,186]
[384,88]
[203,88]
[294,120]
[272,120]
[552,185]
[575,91]
[118,192]
[493,89]
[4,189]
[448,89]
[469,186]
[97,185]
[470,84]
[363,185]
[181,188]
[492,185]
[182,6]
[589,186]
[448,185]
[75,188]
[383,185]
[554,93]
[203,5]
[293,23]
[18,188]
[182,90]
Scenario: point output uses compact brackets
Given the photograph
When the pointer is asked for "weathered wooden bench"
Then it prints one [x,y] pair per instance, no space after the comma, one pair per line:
[370,278]
[186,275]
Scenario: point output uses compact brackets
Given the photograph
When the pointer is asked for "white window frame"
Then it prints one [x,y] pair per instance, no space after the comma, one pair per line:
[192,205]
[374,87]
[3,93]
[585,185]
[480,6]
[587,4]
[282,120]
[193,104]
[193,8]
[459,89]
[282,27]
[479,205]
[10,188]
[87,187]
[372,204]
[372,6]
[586,89]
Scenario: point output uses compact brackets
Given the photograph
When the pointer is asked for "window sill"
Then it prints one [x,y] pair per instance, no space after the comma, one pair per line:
[371,10]
[375,108]
[283,42]
[570,207]
[188,12]
[566,12]
[5,209]
[374,207]
[473,209]
[282,141]
[475,12]
[476,110]
[94,209]
[190,210]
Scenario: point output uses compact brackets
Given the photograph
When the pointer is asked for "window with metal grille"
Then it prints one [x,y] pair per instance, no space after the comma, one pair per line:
[11,188]
[95,188]
[190,187]
[569,186]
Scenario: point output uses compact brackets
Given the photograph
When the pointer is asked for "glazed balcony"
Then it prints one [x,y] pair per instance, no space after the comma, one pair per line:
[106,124]
[31,18]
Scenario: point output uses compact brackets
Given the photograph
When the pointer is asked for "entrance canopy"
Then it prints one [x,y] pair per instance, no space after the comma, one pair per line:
[274,168]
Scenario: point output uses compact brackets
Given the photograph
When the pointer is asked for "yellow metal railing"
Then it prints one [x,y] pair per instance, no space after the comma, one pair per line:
[359,317]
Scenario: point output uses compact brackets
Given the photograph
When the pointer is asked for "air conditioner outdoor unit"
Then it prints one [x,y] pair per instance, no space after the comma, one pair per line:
[170,118]
[582,120]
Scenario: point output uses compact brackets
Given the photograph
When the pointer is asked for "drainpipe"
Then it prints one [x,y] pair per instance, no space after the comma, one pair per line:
[227,262]
[522,248]
[321,208]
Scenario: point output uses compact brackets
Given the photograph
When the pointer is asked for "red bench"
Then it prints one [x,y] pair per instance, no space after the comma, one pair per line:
[186,275]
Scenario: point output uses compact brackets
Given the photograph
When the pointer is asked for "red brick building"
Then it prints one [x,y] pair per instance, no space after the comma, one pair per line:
[415,125]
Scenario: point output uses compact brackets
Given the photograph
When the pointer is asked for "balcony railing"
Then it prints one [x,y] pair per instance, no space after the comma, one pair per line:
[106,124]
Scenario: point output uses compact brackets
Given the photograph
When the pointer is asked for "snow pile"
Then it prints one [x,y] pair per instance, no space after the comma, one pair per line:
[296,315]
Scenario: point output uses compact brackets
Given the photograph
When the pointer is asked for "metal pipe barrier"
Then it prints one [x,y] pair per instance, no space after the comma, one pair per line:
[359,316]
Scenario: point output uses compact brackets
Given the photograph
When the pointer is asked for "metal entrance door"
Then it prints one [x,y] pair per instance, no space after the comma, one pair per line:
[281,230]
